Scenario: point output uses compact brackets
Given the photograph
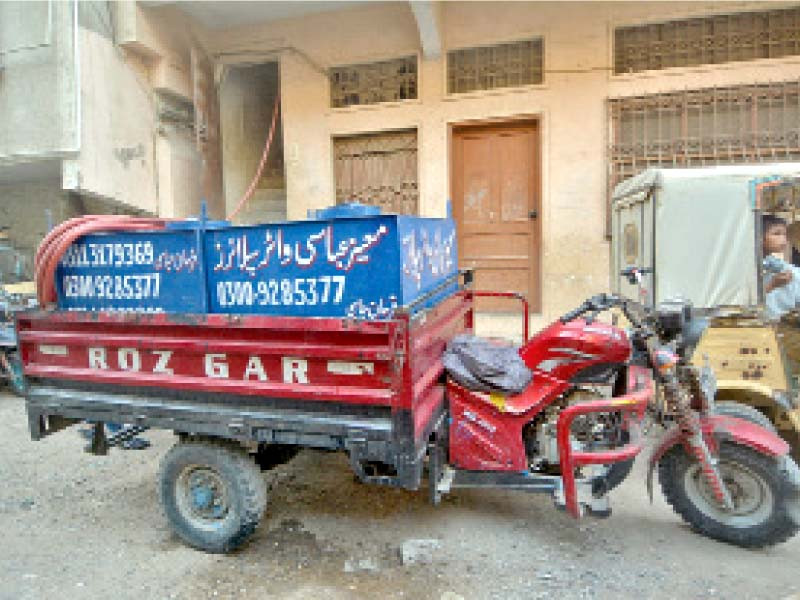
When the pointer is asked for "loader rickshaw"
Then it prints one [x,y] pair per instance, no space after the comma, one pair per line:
[697,233]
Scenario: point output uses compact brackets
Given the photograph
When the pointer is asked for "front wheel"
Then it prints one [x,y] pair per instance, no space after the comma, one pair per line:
[763,496]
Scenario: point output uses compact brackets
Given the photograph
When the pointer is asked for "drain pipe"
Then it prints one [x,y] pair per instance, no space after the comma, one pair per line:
[77,70]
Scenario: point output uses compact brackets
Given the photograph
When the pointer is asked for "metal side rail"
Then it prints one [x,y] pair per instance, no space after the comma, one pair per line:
[51,409]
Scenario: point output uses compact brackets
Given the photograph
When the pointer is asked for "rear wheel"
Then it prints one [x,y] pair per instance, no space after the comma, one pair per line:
[212,493]
[761,493]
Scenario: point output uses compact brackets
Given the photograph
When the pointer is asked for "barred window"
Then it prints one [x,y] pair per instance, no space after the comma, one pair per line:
[378,169]
[707,40]
[372,83]
[488,67]
[726,125]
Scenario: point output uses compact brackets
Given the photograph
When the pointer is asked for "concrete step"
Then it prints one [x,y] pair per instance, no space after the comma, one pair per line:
[266,205]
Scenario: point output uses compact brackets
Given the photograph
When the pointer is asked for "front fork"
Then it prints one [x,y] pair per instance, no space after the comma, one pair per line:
[698,447]
[695,441]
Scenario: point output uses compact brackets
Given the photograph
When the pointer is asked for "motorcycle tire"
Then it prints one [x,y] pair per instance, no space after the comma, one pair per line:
[762,492]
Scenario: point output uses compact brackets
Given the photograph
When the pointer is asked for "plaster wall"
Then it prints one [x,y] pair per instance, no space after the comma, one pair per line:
[38,81]
[178,165]
[161,36]
[28,208]
[117,158]
[25,207]
[570,105]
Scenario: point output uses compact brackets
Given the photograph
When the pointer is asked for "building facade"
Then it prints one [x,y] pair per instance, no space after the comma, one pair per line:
[517,116]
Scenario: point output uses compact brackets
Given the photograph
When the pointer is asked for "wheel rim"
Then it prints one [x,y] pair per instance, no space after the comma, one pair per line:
[752,497]
[202,497]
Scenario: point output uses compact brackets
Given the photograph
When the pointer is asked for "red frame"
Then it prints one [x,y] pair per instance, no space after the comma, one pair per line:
[486,430]
[639,392]
[523,300]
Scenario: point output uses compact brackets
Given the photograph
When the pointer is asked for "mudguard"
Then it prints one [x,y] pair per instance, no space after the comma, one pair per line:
[716,429]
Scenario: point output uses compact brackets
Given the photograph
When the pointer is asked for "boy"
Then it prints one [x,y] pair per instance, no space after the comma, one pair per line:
[781,280]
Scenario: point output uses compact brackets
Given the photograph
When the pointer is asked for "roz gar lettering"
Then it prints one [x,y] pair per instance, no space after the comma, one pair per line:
[215,365]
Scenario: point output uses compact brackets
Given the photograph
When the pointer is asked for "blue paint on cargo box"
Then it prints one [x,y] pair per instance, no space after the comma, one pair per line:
[156,271]
[361,267]
[353,267]
[305,268]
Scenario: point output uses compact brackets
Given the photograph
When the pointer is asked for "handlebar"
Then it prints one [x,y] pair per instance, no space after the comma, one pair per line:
[602,302]
[580,311]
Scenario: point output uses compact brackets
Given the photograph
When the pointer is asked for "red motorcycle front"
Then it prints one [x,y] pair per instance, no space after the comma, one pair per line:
[565,414]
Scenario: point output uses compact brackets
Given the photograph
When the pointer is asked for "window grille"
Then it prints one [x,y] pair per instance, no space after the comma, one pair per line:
[707,40]
[378,169]
[727,125]
[372,83]
[488,67]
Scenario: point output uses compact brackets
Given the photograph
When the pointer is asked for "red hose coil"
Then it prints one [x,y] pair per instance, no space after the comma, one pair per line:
[55,244]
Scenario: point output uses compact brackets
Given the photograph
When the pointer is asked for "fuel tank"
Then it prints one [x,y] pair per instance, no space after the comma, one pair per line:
[565,349]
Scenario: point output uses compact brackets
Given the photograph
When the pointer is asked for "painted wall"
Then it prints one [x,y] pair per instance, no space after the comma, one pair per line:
[570,104]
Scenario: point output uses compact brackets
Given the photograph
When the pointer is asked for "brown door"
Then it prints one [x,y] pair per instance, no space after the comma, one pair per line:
[496,204]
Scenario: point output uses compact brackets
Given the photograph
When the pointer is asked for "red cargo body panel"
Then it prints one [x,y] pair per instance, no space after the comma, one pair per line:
[394,363]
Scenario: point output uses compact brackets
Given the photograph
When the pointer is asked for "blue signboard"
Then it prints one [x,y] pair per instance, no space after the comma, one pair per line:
[133,272]
[304,268]
[359,267]
[354,267]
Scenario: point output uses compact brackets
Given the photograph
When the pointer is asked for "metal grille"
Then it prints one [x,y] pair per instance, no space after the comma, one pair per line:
[707,40]
[489,67]
[378,169]
[741,124]
[371,83]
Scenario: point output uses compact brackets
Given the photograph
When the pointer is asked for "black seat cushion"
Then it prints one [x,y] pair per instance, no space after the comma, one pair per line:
[482,365]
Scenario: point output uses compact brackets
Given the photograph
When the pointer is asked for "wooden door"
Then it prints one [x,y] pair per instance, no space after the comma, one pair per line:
[496,204]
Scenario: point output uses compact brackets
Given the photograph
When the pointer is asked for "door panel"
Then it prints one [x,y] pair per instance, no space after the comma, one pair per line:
[478,199]
[515,153]
[495,204]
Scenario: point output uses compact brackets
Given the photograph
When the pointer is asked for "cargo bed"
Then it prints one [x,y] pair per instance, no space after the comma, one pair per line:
[372,388]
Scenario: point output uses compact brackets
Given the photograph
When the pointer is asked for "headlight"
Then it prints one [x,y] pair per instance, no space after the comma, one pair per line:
[664,359]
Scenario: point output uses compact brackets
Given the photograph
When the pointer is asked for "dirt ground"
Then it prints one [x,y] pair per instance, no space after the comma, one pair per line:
[78,526]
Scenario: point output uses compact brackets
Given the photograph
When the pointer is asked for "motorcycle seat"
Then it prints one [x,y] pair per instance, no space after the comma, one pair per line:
[486,366]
